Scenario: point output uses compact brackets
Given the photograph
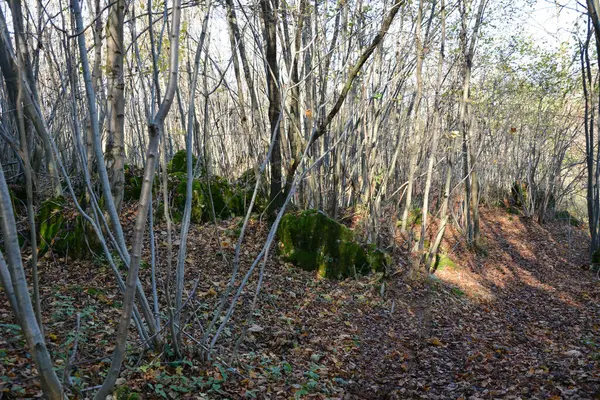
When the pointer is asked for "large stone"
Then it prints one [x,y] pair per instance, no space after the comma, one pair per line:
[179,162]
[228,199]
[442,262]
[315,242]
[216,188]
[64,231]
[133,182]
[243,189]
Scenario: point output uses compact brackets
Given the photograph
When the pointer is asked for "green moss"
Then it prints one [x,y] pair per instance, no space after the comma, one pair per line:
[596,257]
[64,231]
[243,189]
[518,193]
[314,242]
[378,259]
[125,393]
[566,216]
[442,262]
[224,198]
[513,210]
[179,162]
[415,217]
[18,197]
[133,183]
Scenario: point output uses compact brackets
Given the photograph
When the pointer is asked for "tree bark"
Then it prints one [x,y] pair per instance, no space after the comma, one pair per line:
[269,9]
[155,132]
[26,315]
[114,153]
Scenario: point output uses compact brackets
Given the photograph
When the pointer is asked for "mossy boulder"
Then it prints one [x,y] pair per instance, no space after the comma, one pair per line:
[442,262]
[415,217]
[179,162]
[133,183]
[513,210]
[243,189]
[125,393]
[223,198]
[228,199]
[18,198]
[518,193]
[63,231]
[566,216]
[314,242]
[596,257]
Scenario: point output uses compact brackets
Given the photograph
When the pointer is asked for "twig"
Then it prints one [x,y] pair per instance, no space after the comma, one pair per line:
[71,361]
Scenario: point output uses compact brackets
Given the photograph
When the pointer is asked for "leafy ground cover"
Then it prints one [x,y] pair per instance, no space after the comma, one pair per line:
[520,319]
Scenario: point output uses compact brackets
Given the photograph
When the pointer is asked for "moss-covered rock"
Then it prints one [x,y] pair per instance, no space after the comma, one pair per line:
[315,242]
[228,199]
[442,262]
[415,217]
[64,231]
[125,393]
[243,189]
[223,198]
[518,192]
[513,210]
[567,217]
[179,162]
[18,198]
[596,257]
[133,183]
[378,259]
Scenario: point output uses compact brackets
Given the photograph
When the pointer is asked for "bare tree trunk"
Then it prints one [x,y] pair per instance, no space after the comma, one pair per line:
[185,223]
[433,249]
[470,177]
[155,131]
[269,10]
[436,128]
[96,77]
[295,120]
[414,140]
[114,154]
[102,173]
[15,75]
[25,313]
[233,24]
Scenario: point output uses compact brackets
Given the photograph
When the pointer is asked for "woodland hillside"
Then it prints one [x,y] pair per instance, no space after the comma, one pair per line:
[301,199]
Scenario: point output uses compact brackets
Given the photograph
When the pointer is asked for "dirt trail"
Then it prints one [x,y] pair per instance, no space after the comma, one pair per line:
[523,322]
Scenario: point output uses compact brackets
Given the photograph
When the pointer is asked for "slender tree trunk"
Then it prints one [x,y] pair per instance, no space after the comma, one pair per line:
[185,223]
[470,177]
[295,120]
[25,313]
[269,9]
[433,249]
[115,128]
[155,131]
[415,140]
[436,128]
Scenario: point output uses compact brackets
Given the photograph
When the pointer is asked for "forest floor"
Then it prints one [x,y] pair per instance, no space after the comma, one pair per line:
[518,321]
